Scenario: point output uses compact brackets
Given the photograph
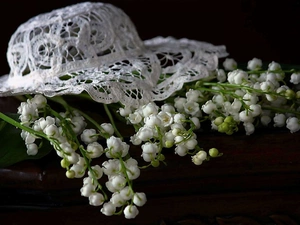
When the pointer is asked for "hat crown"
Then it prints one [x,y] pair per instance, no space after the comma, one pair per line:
[94,48]
[80,36]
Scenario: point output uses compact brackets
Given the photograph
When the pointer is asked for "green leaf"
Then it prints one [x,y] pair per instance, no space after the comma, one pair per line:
[12,146]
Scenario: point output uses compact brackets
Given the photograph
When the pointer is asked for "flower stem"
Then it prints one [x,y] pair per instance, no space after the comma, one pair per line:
[20,126]
[111,119]
[82,150]
[61,101]
[124,171]
[281,110]
[86,116]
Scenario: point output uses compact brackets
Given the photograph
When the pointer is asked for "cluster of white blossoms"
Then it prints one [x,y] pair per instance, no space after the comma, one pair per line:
[77,145]
[230,100]
[165,126]
[251,97]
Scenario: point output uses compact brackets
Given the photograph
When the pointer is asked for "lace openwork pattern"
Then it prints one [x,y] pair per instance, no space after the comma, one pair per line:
[94,47]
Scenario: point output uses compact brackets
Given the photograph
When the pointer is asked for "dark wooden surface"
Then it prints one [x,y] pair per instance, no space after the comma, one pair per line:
[257,181]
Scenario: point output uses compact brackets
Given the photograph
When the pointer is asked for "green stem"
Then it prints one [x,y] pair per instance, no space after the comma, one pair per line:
[20,126]
[61,101]
[111,119]
[270,71]
[124,170]
[82,150]
[87,161]
[247,88]
[160,141]
[281,110]
[69,108]
[90,119]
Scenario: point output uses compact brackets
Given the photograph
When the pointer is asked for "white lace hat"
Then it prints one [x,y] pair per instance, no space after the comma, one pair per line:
[94,47]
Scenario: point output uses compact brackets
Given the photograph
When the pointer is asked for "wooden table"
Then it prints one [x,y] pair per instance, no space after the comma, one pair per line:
[256,181]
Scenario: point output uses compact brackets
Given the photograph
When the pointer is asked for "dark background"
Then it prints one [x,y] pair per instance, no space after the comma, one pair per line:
[249,28]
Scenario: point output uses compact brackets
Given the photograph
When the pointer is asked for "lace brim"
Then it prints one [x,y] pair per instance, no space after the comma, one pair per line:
[162,69]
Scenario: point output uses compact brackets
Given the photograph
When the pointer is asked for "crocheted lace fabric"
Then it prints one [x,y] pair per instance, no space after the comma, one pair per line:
[94,47]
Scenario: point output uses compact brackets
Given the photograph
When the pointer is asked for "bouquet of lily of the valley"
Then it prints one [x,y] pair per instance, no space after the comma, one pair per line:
[164,89]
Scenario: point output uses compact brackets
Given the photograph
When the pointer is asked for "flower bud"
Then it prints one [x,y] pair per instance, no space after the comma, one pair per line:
[213,152]
[32,149]
[70,174]
[254,64]
[87,190]
[108,209]
[230,64]
[199,157]
[218,121]
[131,211]
[96,199]
[139,198]
[126,193]
[290,94]
[108,128]
[117,199]
[94,150]
[97,172]
[39,100]
[118,182]
[89,136]
[155,163]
